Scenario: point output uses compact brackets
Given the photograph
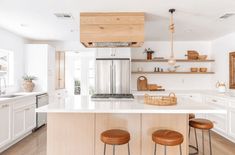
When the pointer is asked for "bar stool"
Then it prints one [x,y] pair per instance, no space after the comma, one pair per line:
[115,137]
[191,116]
[167,138]
[202,124]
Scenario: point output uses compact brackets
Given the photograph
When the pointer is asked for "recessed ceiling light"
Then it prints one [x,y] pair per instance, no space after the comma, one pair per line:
[73,30]
[63,15]
[23,25]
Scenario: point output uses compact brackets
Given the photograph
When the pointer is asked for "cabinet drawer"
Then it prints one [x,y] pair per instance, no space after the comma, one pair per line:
[194,97]
[232,104]
[19,103]
[220,123]
[216,101]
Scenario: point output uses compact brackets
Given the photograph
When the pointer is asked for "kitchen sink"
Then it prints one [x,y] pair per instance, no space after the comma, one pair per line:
[9,96]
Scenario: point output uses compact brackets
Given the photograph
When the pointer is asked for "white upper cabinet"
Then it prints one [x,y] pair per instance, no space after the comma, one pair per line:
[113,53]
[40,62]
[5,121]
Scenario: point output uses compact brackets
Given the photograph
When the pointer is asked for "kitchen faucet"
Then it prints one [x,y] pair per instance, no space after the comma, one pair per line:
[2,92]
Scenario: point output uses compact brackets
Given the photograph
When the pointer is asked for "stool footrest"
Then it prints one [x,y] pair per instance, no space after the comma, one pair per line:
[194,148]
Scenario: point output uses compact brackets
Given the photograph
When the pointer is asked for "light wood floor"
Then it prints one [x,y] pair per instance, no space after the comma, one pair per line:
[35,144]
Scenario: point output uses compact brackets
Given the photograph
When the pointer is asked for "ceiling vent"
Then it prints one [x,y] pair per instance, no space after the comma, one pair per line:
[227,15]
[63,15]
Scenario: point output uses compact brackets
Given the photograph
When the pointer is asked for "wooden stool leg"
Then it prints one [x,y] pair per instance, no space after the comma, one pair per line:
[210,142]
[203,151]
[164,149]
[113,149]
[104,148]
[180,150]
[189,132]
[128,145]
[155,149]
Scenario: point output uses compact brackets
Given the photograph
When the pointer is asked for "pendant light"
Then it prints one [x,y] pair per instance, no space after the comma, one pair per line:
[171,60]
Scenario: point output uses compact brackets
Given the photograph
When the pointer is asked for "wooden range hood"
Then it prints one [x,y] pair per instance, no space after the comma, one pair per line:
[121,29]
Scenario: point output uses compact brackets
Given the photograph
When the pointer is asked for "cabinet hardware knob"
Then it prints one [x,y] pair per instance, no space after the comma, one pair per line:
[5,105]
[214,122]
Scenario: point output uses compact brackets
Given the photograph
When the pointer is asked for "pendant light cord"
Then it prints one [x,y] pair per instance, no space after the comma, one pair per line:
[172,30]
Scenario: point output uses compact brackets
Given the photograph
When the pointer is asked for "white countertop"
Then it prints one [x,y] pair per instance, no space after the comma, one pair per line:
[19,96]
[228,95]
[83,104]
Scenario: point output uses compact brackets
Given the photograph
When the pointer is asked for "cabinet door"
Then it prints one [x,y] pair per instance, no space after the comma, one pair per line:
[18,122]
[231,114]
[113,53]
[62,70]
[30,118]
[5,121]
[122,52]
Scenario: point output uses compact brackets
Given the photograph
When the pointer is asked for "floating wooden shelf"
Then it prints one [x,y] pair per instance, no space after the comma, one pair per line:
[165,60]
[172,72]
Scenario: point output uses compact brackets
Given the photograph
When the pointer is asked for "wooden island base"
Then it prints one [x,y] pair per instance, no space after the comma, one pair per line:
[79,133]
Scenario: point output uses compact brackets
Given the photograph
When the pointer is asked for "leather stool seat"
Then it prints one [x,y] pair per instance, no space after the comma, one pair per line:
[191,116]
[167,137]
[115,137]
[200,123]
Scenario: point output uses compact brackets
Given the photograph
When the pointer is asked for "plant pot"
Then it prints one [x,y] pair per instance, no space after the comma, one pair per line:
[28,85]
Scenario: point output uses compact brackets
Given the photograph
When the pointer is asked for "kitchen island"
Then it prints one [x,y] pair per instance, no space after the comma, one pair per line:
[75,124]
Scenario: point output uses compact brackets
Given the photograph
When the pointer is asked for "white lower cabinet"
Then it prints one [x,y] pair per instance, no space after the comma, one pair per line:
[24,117]
[5,121]
[18,122]
[30,118]
[231,120]
[17,118]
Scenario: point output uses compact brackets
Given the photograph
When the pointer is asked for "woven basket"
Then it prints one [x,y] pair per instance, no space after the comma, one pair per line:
[161,100]
[192,55]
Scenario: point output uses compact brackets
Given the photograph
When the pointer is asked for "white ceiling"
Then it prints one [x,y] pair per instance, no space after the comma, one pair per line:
[194,19]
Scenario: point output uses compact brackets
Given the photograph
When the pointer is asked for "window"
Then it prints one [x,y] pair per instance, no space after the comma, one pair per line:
[6,68]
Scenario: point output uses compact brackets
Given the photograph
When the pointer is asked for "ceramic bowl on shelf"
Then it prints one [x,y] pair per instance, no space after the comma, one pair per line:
[202,57]
[203,69]
[194,69]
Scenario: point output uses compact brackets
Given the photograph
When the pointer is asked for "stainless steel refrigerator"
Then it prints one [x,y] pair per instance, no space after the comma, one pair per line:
[112,76]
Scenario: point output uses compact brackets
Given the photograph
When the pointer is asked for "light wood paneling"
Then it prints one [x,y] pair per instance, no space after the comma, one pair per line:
[112,27]
[129,122]
[35,144]
[153,122]
[60,70]
[70,134]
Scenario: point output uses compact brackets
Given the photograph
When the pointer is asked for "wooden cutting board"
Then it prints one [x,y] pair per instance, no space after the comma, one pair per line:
[142,83]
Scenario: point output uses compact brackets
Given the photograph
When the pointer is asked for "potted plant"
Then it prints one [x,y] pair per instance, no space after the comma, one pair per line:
[149,53]
[28,84]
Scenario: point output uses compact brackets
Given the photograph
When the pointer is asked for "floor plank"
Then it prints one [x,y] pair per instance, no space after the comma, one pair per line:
[35,144]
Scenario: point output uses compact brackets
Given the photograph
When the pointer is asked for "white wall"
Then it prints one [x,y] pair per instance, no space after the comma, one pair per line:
[221,48]
[174,81]
[14,43]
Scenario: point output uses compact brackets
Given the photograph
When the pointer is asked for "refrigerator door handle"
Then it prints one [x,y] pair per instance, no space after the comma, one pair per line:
[114,79]
[111,79]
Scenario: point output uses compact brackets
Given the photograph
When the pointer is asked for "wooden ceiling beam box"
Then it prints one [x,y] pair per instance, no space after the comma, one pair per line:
[120,29]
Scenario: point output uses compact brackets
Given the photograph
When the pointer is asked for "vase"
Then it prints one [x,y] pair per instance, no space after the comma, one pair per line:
[149,56]
[28,85]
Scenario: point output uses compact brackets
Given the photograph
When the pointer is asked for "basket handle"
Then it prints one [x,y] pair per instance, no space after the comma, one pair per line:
[172,94]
